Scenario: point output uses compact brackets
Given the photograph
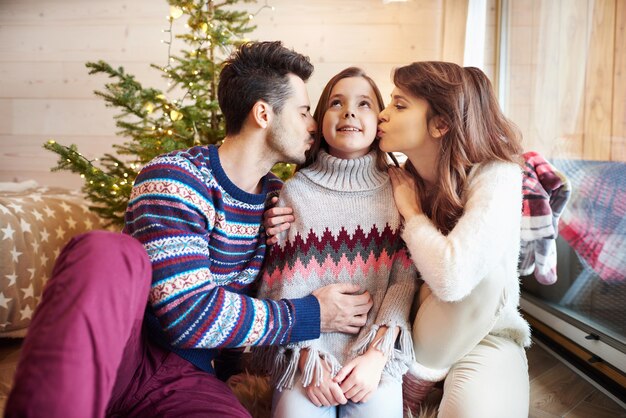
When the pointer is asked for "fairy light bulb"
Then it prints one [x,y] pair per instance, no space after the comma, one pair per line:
[175,12]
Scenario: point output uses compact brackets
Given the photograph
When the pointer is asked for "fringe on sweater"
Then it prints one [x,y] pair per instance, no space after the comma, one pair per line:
[281,363]
[399,356]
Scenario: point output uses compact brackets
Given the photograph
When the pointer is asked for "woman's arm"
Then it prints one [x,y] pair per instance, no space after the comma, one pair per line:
[452,265]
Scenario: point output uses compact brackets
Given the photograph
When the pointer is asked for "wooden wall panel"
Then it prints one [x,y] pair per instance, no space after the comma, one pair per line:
[599,83]
[367,33]
[45,91]
[574,36]
[618,138]
[61,79]
[454,24]
[566,68]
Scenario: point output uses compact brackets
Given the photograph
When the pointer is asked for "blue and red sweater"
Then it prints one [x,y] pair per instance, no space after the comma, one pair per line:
[205,240]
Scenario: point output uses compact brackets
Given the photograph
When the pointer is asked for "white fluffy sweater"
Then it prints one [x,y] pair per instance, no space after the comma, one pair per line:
[485,242]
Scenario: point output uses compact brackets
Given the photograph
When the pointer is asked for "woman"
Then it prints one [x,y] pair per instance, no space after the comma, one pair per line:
[460,197]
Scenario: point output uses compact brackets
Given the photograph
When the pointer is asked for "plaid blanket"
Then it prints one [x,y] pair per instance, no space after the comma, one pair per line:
[545,194]
[594,223]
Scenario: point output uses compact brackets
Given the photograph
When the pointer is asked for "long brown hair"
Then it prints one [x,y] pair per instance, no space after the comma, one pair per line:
[477,133]
[322,107]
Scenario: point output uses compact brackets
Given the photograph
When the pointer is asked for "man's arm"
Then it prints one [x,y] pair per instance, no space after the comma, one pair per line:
[171,211]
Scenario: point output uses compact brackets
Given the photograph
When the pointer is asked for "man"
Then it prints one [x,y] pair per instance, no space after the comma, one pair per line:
[94,349]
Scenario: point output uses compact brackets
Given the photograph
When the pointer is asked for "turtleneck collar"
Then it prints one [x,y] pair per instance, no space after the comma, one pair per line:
[355,175]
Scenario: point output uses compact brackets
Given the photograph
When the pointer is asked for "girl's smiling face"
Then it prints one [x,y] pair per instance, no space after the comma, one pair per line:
[350,123]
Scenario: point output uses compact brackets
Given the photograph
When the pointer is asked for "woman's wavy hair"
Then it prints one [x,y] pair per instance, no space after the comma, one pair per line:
[322,107]
[478,132]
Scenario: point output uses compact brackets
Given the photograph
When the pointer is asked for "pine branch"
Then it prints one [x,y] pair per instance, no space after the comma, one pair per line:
[152,123]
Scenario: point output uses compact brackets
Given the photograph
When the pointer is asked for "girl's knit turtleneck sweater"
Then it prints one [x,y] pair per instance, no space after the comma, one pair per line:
[347,230]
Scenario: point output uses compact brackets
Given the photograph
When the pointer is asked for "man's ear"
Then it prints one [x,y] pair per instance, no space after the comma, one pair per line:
[262,114]
[437,127]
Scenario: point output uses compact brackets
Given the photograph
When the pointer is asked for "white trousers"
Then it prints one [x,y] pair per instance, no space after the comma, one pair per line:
[488,374]
[489,382]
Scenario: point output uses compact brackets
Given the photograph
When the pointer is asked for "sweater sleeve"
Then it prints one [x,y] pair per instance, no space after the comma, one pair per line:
[171,212]
[453,265]
[395,312]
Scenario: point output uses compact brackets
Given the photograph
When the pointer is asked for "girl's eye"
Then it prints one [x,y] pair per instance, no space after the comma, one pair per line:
[335,103]
[365,103]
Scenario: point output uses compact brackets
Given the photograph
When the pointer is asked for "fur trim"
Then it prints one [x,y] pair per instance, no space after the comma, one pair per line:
[426,373]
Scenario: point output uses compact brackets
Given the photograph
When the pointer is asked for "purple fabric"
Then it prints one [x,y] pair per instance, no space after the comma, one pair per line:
[86,355]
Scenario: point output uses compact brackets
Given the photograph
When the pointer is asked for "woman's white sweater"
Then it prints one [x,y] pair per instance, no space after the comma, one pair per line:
[484,243]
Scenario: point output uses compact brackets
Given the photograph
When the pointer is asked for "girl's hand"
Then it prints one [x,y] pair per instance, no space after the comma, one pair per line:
[360,377]
[405,192]
[276,220]
[328,393]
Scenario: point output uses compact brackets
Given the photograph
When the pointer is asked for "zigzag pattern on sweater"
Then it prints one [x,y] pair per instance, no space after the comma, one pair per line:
[315,255]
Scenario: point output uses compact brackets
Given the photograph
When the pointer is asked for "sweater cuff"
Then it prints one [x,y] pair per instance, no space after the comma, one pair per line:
[307,319]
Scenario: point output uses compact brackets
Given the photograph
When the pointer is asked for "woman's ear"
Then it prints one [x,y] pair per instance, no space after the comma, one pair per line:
[437,127]
[262,114]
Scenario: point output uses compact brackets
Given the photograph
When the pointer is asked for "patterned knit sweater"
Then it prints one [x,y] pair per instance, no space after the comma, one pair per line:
[347,229]
[203,235]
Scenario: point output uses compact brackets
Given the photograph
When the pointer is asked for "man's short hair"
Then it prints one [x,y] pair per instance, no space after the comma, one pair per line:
[258,71]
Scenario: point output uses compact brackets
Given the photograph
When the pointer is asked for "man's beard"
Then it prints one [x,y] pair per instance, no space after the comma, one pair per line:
[280,144]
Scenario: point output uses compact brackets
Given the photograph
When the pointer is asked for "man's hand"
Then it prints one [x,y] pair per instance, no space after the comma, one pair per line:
[276,220]
[340,309]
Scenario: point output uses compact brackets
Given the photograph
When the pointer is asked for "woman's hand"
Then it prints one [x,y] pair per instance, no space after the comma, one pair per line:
[360,377]
[328,393]
[405,192]
[276,220]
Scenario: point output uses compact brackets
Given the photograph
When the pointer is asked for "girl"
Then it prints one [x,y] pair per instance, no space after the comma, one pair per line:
[460,197]
[349,232]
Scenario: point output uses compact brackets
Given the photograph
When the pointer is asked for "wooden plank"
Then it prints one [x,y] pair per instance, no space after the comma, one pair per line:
[539,361]
[618,135]
[599,83]
[574,33]
[359,44]
[453,30]
[56,117]
[345,12]
[66,80]
[82,42]
[20,12]
[556,390]
[542,88]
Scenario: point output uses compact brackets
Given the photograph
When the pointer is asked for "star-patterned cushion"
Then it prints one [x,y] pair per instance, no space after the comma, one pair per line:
[34,226]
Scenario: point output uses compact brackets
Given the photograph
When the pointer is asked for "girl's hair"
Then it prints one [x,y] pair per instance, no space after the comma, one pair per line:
[322,107]
[478,132]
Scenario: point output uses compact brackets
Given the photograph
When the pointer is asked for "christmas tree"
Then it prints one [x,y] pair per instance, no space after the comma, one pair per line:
[153,123]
